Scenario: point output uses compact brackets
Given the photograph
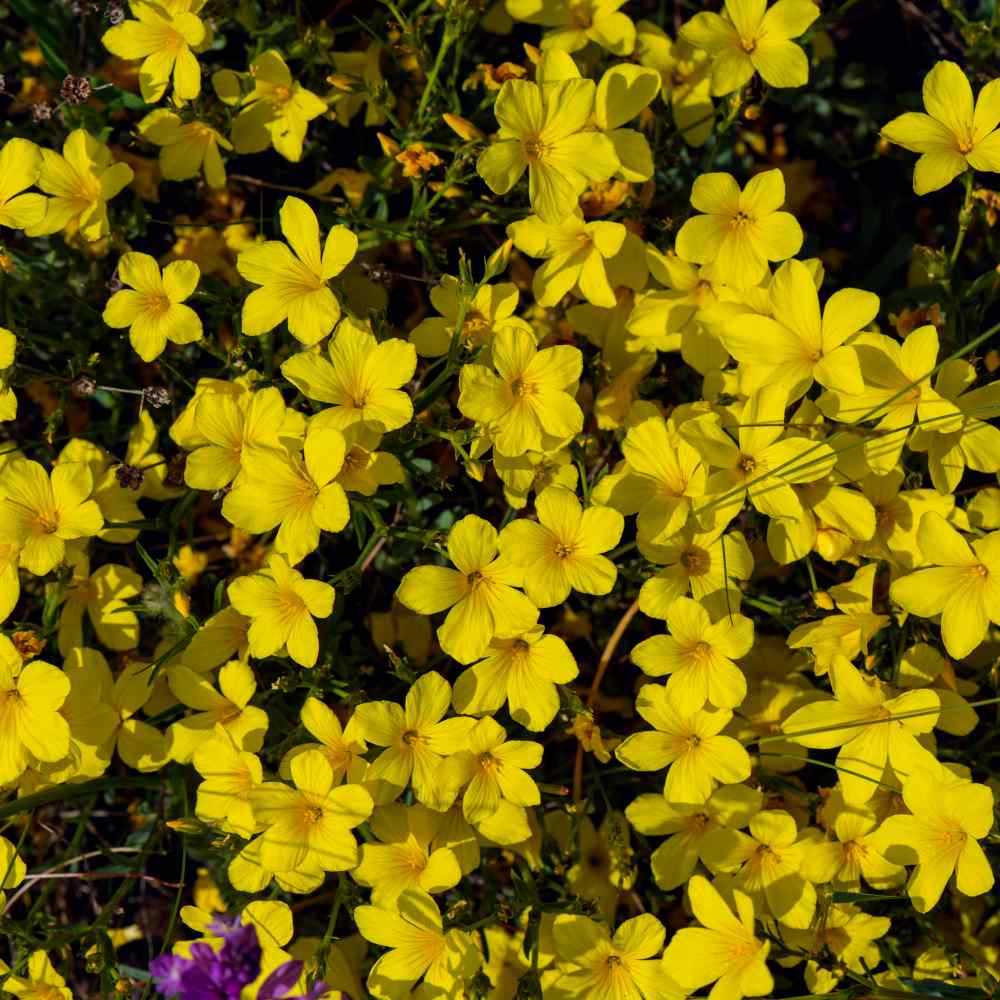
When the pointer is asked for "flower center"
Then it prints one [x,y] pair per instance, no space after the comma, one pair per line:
[311,815]
[282,94]
[696,561]
[534,149]
[979,570]
[411,737]
[156,303]
[741,220]
[747,464]
[701,652]
[565,549]
[520,388]
[748,44]
[474,579]
[475,328]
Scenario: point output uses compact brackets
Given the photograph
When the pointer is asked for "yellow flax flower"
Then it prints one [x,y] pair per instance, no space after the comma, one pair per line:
[296,494]
[528,403]
[574,26]
[594,965]
[44,513]
[309,826]
[962,584]
[81,182]
[740,230]
[543,131]
[163,39]
[658,479]
[698,654]
[767,865]
[419,949]
[749,39]
[955,134]
[868,734]
[276,112]
[479,591]
[362,381]
[491,769]
[523,671]
[404,859]
[562,552]
[797,343]
[41,983]
[687,827]
[948,816]
[20,164]
[229,778]
[186,148]
[295,282]
[723,950]
[31,726]
[416,738]
[281,605]
[576,255]
[102,595]
[152,307]
[691,747]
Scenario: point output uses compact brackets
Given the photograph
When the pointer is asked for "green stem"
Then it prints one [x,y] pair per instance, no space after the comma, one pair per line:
[964,219]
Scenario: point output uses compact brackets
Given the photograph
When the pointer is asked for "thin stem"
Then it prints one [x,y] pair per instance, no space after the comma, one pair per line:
[602,666]
[964,220]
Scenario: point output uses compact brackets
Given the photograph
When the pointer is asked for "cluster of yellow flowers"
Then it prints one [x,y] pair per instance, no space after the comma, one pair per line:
[802,423]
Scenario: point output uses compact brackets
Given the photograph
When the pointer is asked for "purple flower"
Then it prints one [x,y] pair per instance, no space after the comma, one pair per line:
[221,975]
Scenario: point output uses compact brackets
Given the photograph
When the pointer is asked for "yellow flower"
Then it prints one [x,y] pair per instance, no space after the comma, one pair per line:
[362,380]
[948,816]
[659,477]
[490,310]
[187,148]
[480,592]
[691,747]
[897,390]
[723,950]
[767,865]
[746,39]
[527,404]
[31,727]
[697,654]
[856,853]
[868,739]
[243,725]
[741,230]
[562,552]
[82,181]
[420,949]
[281,605]
[102,595]
[594,965]
[224,426]
[13,867]
[20,164]
[295,284]
[41,983]
[43,513]
[275,113]
[341,745]
[797,343]
[962,584]
[491,769]
[687,827]
[229,777]
[706,564]
[954,135]
[296,494]
[163,39]
[416,737]
[542,130]
[309,826]
[524,672]
[404,859]
[574,26]
[152,308]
